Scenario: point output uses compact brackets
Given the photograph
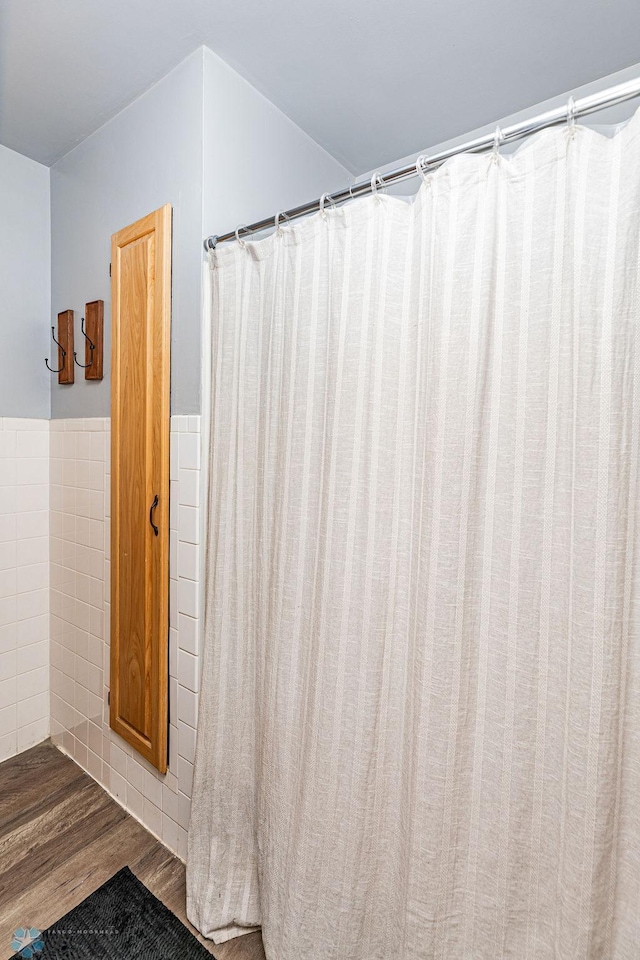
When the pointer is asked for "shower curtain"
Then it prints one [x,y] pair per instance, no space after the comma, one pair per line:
[419,728]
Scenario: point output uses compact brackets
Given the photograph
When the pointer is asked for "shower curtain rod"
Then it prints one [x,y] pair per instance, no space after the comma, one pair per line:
[573,109]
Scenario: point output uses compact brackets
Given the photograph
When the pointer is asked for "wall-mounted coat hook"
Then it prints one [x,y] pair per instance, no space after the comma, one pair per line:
[93,340]
[64,342]
[91,346]
[61,353]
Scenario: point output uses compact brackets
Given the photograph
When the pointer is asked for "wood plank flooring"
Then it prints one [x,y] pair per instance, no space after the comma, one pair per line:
[62,836]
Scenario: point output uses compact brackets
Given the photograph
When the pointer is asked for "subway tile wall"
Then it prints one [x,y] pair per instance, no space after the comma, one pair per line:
[80,562]
[24,584]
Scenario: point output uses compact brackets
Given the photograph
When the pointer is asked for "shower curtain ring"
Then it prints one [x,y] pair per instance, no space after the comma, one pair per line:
[571,116]
[322,202]
[242,226]
[376,183]
[422,164]
[279,214]
[498,140]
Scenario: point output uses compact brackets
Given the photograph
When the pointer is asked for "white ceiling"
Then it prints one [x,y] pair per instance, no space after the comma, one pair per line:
[369,80]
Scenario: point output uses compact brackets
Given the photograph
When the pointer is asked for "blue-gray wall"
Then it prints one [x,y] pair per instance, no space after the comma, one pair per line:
[25,256]
[203,140]
[256,160]
[602,118]
[148,155]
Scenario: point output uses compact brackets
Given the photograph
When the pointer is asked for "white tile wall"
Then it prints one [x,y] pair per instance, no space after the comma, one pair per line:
[80,623]
[24,584]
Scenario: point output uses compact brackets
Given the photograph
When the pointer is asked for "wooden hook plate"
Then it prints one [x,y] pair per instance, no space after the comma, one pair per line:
[94,328]
[65,341]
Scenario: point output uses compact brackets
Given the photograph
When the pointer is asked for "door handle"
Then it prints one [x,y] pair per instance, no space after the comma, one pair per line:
[151,509]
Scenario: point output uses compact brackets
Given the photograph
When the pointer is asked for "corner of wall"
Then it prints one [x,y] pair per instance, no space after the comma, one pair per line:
[107,182]
[24,583]
[25,280]
[256,159]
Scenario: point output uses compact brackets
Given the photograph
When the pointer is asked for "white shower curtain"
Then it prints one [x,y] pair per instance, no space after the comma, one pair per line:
[419,729]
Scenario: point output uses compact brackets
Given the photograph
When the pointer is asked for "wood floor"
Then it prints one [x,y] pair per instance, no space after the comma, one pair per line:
[62,836]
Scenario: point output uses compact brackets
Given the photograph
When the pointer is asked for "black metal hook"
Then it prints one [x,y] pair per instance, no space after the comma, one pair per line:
[92,347]
[62,351]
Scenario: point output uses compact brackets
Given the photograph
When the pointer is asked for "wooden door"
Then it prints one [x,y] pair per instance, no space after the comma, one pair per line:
[140,331]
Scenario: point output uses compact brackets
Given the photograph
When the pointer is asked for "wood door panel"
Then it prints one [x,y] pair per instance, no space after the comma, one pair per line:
[132,557]
[141,292]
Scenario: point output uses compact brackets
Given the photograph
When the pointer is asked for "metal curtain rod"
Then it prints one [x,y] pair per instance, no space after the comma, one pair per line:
[577,108]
